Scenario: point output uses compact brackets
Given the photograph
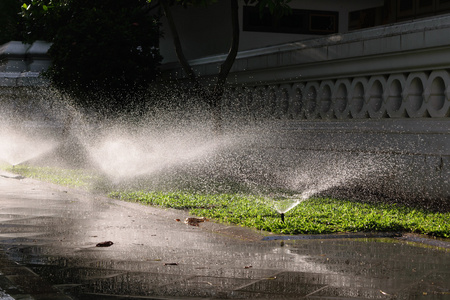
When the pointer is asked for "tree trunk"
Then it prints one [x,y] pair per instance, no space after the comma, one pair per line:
[177,43]
[225,68]
[213,99]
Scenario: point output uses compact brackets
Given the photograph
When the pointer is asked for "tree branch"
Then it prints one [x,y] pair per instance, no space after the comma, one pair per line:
[177,43]
[229,61]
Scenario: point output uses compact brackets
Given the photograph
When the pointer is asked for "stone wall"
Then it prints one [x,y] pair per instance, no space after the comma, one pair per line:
[423,94]
[382,92]
[25,101]
[21,64]
[372,103]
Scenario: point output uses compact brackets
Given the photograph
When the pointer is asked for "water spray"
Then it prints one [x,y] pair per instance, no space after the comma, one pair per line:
[284,204]
[20,147]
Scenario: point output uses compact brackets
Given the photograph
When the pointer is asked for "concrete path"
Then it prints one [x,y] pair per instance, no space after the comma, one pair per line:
[48,238]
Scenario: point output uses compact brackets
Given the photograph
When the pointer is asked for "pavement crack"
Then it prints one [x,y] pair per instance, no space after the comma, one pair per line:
[316,291]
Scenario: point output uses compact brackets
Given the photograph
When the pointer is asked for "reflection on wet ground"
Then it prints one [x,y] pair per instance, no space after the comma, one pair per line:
[48,250]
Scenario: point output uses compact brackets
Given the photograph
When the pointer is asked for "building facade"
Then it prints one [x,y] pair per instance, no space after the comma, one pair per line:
[350,78]
[363,77]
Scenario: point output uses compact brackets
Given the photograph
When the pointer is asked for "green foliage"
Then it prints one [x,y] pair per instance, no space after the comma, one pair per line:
[314,216]
[10,21]
[105,50]
[71,178]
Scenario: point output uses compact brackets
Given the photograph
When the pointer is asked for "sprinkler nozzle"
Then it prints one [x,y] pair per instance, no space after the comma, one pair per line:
[282,217]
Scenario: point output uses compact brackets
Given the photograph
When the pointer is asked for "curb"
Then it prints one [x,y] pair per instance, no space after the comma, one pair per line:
[408,237]
[357,235]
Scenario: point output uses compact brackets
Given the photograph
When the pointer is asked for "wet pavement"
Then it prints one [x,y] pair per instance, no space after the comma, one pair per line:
[48,238]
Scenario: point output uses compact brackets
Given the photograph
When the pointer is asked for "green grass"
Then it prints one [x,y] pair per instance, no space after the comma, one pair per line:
[71,178]
[314,216]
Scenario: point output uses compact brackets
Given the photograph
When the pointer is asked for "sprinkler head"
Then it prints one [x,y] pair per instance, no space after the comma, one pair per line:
[282,217]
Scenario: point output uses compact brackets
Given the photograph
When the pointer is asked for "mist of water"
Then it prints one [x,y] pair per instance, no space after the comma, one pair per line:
[17,146]
[177,148]
[122,154]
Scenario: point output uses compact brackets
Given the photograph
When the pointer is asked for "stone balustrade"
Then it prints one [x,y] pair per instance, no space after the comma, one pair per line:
[424,94]
[382,93]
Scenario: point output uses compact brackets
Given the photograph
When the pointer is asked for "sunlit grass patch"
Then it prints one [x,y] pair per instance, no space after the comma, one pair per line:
[314,216]
[68,177]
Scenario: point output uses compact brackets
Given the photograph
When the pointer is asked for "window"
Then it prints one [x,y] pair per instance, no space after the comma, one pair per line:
[443,4]
[299,21]
[397,11]
[405,8]
[322,22]
[411,9]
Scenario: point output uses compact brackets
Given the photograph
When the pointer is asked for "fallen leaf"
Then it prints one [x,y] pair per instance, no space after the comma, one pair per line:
[247,267]
[195,221]
[104,244]
[170,264]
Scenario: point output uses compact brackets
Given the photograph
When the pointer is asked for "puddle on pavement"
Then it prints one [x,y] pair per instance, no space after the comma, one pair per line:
[155,256]
[369,268]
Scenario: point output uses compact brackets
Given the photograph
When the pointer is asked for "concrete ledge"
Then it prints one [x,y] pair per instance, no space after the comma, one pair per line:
[414,45]
[407,237]
[21,64]
[404,136]
[12,57]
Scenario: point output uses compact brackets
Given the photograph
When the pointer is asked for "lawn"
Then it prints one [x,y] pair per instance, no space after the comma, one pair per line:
[313,216]
[67,177]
